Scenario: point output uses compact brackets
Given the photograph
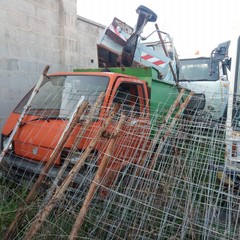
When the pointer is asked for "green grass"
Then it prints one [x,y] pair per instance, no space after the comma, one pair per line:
[11,197]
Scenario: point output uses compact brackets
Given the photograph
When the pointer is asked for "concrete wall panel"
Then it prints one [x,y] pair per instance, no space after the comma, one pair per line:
[36,33]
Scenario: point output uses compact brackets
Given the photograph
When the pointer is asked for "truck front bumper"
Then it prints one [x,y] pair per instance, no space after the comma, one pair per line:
[25,172]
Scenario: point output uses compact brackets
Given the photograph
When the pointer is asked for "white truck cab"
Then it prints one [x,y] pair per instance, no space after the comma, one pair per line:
[207,77]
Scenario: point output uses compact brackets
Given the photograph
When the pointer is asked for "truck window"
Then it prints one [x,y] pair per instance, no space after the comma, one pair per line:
[197,69]
[128,95]
[58,95]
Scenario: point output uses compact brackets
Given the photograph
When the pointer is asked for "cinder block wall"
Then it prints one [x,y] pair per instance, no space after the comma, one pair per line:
[36,33]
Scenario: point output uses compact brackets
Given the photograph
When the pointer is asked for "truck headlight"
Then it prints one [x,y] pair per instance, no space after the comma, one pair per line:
[4,142]
[211,108]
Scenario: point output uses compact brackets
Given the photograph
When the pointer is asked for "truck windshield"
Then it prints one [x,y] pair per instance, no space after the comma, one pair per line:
[197,69]
[59,95]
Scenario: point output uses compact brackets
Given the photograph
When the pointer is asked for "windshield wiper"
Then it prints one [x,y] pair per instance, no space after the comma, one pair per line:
[41,119]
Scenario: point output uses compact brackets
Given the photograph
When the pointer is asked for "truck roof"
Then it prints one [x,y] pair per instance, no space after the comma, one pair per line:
[96,73]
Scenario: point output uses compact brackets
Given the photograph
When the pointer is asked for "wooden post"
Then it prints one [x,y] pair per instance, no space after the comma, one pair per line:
[65,135]
[41,217]
[96,181]
[75,144]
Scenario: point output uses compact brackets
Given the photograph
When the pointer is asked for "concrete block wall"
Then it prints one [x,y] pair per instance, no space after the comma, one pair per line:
[36,33]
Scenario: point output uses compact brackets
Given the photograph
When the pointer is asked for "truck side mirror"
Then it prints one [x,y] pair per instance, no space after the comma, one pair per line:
[220,52]
[227,62]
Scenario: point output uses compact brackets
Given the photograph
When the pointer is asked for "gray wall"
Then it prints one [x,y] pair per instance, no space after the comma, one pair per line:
[36,33]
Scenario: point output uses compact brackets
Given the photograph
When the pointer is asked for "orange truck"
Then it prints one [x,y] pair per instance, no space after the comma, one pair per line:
[139,91]
[33,130]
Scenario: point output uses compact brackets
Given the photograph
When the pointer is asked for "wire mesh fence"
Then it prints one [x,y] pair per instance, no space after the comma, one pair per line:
[119,172]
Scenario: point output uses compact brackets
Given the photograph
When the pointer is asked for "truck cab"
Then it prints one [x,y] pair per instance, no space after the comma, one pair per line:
[53,105]
[208,78]
[140,93]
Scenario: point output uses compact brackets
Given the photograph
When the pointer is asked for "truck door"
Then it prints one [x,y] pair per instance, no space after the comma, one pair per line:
[132,94]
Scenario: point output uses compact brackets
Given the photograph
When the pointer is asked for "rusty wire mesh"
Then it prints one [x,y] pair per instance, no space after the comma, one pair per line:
[153,188]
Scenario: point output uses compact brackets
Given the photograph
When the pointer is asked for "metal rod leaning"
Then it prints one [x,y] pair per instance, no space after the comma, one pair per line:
[166,53]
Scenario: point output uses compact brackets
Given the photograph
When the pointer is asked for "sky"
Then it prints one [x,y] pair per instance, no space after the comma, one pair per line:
[194,25]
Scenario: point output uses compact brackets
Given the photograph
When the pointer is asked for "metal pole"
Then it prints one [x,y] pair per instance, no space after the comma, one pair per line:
[166,53]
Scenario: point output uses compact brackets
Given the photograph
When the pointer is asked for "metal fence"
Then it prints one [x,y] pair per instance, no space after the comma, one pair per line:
[138,176]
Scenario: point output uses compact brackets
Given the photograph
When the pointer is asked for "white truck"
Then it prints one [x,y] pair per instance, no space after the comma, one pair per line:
[121,45]
[208,78]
